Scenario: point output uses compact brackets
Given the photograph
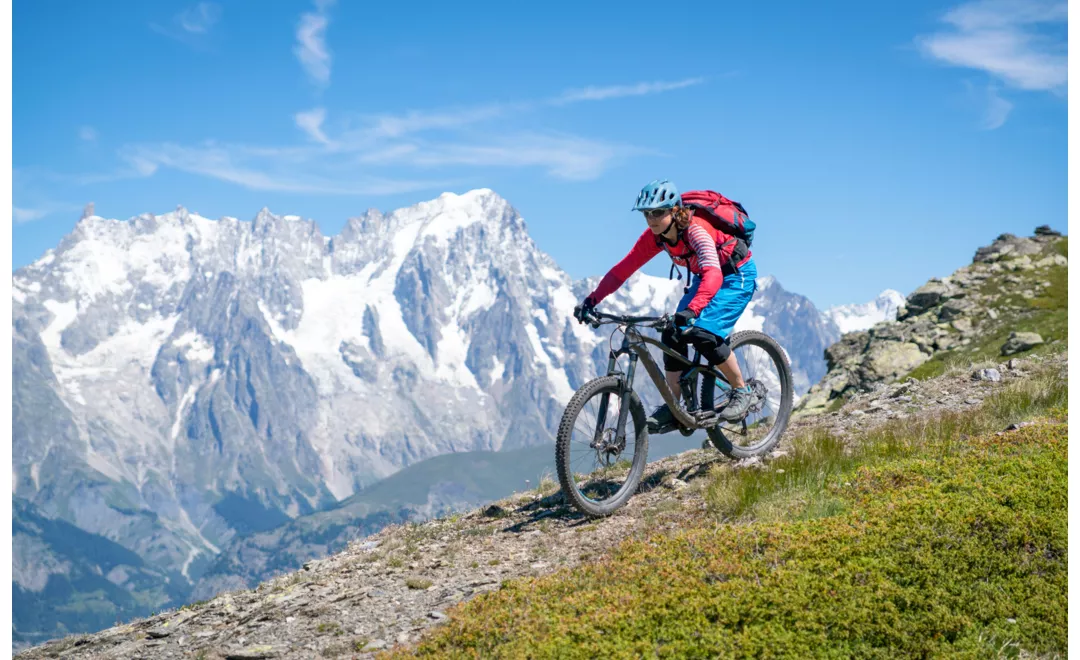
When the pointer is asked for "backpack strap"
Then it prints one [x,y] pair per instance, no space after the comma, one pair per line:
[664,245]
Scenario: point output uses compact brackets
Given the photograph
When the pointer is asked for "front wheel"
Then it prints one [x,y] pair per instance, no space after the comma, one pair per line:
[765,368]
[598,469]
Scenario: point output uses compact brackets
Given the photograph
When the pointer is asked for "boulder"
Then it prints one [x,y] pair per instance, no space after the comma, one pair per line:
[1052,260]
[889,360]
[955,308]
[925,297]
[847,350]
[962,325]
[1007,246]
[1020,341]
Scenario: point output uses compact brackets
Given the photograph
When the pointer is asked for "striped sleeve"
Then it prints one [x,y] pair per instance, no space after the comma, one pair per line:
[712,278]
[703,246]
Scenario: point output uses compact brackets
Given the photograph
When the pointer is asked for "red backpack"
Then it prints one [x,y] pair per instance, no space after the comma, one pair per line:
[726,215]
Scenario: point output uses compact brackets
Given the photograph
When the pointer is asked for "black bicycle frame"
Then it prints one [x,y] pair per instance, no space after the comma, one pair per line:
[635,345]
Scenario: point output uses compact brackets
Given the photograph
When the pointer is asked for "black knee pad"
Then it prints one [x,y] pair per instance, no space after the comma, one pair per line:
[721,353]
[713,348]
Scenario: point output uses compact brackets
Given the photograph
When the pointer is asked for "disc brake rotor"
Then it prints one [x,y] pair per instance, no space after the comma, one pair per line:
[607,449]
[760,394]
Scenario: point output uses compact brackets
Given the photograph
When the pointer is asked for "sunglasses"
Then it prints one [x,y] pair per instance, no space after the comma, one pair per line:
[656,214]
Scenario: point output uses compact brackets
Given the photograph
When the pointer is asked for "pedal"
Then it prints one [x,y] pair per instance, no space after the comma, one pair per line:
[661,430]
[707,419]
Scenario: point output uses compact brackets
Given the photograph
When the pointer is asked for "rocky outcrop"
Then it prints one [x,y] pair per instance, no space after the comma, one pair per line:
[944,314]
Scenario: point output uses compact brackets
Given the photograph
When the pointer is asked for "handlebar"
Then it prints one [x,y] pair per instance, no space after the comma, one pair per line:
[596,319]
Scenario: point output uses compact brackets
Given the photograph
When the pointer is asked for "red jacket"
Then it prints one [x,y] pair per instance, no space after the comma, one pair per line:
[701,247]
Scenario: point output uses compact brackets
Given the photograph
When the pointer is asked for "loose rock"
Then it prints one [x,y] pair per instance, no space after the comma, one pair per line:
[1021,341]
[992,375]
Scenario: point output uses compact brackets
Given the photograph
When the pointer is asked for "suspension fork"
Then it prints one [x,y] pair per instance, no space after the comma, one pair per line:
[627,390]
[601,416]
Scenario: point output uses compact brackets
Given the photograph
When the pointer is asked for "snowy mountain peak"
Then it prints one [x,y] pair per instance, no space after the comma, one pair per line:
[861,316]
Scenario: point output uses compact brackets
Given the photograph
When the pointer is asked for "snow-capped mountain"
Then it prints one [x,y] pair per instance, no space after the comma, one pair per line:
[179,381]
[861,316]
[174,361]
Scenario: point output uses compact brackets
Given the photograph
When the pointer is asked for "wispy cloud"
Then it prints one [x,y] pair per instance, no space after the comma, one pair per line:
[1019,42]
[193,25]
[27,215]
[88,134]
[391,126]
[562,156]
[23,214]
[394,126]
[310,46]
[240,165]
[311,123]
[394,153]
[995,109]
[617,91]
[200,18]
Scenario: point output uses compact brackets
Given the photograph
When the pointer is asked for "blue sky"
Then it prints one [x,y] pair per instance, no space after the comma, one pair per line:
[876,144]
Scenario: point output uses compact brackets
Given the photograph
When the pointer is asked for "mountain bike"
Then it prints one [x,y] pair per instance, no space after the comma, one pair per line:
[602,444]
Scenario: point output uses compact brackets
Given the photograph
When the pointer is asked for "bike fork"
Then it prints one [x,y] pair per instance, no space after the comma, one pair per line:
[627,390]
[601,415]
[624,398]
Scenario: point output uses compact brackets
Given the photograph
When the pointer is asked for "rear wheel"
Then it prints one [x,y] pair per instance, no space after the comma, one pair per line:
[765,368]
[599,472]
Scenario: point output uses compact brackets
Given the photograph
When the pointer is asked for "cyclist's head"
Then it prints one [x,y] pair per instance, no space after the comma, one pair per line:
[658,195]
[657,201]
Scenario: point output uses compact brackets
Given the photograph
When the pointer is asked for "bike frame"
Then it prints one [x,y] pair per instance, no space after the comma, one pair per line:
[635,345]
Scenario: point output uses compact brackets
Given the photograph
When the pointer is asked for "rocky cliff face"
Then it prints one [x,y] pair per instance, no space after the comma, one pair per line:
[945,315]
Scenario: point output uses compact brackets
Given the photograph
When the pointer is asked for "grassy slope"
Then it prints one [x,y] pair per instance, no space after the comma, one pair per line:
[928,538]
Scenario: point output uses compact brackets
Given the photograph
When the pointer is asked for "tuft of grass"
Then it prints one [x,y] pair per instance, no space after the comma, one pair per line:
[332,628]
[417,583]
[195,605]
[395,562]
[547,486]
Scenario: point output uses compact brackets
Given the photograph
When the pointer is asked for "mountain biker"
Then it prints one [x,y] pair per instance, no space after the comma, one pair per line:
[723,284]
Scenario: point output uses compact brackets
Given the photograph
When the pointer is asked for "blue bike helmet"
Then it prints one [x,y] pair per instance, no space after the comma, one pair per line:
[658,195]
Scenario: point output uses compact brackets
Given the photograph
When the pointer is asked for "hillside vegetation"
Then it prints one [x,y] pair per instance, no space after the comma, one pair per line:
[943,536]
